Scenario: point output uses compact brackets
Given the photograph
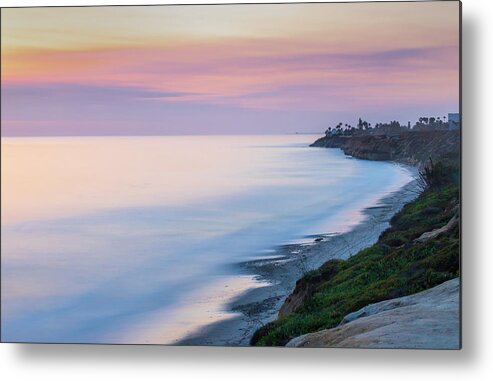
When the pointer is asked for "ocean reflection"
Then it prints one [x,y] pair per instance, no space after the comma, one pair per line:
[125,239]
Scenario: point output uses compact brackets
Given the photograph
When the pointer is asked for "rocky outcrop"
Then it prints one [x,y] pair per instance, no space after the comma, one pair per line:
[426,236]
[426,320]
[414,147]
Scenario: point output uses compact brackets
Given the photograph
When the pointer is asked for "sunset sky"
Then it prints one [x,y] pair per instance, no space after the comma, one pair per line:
[226,68]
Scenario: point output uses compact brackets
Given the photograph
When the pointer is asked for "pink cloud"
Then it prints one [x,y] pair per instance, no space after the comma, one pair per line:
[250,75]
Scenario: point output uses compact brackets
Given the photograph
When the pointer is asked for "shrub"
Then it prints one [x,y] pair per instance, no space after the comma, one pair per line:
[435,175]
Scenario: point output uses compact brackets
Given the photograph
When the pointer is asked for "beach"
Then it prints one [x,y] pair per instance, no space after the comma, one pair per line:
[287,263]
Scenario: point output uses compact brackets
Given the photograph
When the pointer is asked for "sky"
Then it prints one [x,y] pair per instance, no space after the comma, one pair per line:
[225,69]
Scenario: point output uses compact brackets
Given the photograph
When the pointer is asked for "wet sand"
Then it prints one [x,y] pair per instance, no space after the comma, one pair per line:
[285,265]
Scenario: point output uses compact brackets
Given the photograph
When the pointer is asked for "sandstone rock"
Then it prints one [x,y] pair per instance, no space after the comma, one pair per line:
[426,236]
[426,320]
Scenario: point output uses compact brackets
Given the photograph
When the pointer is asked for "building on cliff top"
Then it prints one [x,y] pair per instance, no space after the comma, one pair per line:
[453,121]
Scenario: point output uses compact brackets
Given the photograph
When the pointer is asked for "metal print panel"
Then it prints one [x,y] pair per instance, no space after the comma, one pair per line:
[240,174]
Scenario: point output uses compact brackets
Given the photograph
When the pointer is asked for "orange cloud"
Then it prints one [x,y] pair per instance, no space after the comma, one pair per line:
[249,73]
[337,56]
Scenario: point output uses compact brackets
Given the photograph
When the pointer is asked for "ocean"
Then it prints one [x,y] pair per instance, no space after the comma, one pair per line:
[137,239]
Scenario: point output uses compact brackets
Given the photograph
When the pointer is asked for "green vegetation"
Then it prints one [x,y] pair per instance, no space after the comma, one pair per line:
[397,265]
[436,175]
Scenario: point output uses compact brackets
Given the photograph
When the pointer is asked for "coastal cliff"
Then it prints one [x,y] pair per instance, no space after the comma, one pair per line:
[419,251]
[413,148]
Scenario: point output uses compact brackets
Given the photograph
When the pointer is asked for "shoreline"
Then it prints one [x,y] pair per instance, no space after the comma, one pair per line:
[288,263]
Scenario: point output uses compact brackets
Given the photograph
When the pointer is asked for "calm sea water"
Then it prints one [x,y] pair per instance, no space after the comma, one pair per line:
[134,239]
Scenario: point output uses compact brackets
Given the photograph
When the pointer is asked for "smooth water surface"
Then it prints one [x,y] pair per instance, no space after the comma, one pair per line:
[135,239]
